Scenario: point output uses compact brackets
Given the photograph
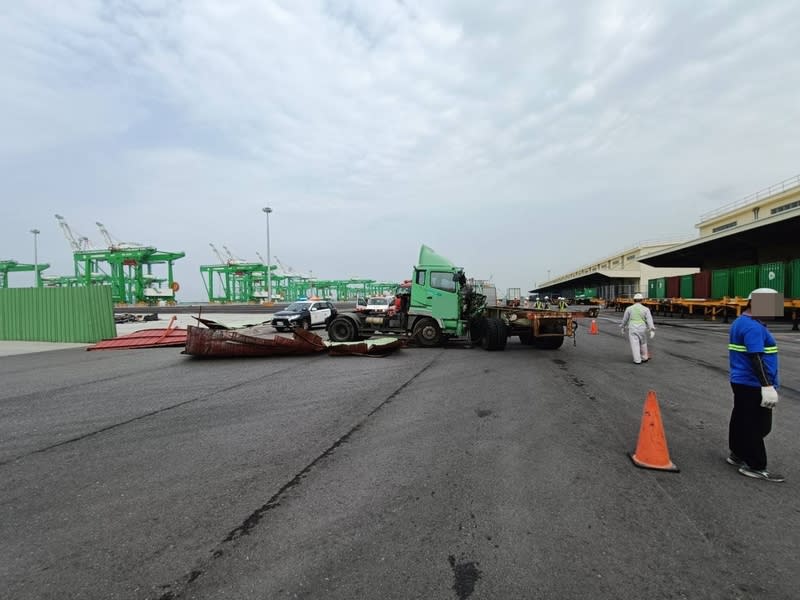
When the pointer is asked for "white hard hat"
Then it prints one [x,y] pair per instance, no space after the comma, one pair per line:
[761,291]
[638,296]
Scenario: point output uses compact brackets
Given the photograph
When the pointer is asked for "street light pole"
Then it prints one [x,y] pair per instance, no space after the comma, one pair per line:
[36,233]
[268,210]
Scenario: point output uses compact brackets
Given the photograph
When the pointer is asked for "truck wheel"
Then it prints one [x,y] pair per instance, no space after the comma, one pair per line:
[548,343]
[427,333]
[342,329]
[551,342]
[476,329]
[495,335]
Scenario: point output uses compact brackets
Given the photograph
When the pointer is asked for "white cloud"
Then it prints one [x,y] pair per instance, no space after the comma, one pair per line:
[466,126]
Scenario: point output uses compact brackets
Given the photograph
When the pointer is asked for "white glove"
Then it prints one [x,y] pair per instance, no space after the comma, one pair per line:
[652,333]
[769,396]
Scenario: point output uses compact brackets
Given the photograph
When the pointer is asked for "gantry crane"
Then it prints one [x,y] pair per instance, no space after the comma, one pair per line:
[78,244]
[222,261]
[115,244]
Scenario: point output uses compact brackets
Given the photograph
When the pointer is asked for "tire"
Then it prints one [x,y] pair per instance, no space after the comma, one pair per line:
[342,329]
[495,335]
[548,343]
[551,342]
[279,328]
[427,333]
[476,331]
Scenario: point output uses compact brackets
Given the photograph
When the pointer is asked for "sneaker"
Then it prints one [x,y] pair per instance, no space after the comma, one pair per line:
[761,474]
[645,360]
[735,461]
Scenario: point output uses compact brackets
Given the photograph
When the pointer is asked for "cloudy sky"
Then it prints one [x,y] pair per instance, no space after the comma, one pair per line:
[515,137]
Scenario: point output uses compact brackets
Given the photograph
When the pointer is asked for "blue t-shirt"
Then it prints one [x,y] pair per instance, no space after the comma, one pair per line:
[751,336]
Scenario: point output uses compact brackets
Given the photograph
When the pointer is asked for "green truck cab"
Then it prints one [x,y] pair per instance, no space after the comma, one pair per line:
[439,303]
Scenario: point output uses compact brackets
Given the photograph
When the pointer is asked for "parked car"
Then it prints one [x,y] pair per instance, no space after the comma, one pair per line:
[305,315]
[379,304]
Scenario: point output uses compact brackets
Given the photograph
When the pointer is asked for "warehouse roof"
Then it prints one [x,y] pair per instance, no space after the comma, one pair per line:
[743,244]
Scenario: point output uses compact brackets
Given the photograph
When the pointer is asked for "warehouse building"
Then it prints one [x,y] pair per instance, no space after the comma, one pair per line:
[750,243]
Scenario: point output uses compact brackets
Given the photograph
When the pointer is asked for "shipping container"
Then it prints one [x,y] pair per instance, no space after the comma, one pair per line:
[673,286]
[773,275]
[82,314]
[721,283]
[793,279]
[702,284]
[687,286]
[657,288]
[745,280]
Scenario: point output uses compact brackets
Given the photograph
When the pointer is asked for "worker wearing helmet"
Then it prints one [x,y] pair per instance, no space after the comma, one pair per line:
[753,357]
[562,303]
[638,320]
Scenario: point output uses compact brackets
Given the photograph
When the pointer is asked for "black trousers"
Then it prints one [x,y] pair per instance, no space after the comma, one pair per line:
[750,424]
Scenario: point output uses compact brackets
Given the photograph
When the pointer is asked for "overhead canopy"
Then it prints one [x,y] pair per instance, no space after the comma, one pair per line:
[759,241]
[599,277]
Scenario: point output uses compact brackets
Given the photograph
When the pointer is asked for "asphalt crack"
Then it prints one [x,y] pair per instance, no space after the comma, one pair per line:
[175,590]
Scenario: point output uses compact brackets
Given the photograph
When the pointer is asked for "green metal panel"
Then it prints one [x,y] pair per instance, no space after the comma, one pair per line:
[773,275]
[745,280]
[657,288]
[721,283]
[78,314]
[687,286]
[793,279]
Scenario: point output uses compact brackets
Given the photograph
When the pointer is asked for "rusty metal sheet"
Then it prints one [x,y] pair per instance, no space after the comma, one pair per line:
[248,342]
[145,338]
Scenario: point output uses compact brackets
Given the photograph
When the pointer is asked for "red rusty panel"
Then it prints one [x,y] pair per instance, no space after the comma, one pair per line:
[231,343]
[674,286]
[702,284]
[146,338]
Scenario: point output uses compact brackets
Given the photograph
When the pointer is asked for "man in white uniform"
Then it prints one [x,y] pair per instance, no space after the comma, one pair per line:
[639,321]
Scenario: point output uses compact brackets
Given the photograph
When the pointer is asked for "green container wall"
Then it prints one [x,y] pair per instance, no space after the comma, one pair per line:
[687,286]
[657,288]
[80,314]
[745,280]
[721,283]
[773,275]
[793,279]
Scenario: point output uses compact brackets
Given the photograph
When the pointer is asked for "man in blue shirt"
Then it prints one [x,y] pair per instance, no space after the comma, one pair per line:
[753,356]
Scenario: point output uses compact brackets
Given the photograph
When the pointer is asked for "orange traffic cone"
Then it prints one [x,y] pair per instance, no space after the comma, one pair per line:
[593,328]
[651,450]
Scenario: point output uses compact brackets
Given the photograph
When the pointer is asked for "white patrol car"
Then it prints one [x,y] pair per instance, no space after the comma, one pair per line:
[304,314]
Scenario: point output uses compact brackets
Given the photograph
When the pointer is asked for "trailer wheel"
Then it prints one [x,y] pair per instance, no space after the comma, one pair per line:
[342,329]
[551,342]
[427,333]
[495,335]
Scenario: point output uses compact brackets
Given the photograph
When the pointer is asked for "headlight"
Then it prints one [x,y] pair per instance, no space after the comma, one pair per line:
[293,317]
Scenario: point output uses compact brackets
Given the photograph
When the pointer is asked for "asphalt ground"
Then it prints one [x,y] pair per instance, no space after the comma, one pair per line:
[432,473]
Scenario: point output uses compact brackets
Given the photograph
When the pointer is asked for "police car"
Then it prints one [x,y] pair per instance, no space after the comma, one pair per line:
[304,315]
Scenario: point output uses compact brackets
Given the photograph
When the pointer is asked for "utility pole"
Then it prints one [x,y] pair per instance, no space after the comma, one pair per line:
[268,210]
[36,233]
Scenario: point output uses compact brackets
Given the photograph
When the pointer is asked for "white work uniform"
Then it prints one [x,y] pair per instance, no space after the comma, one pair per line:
[638,320]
